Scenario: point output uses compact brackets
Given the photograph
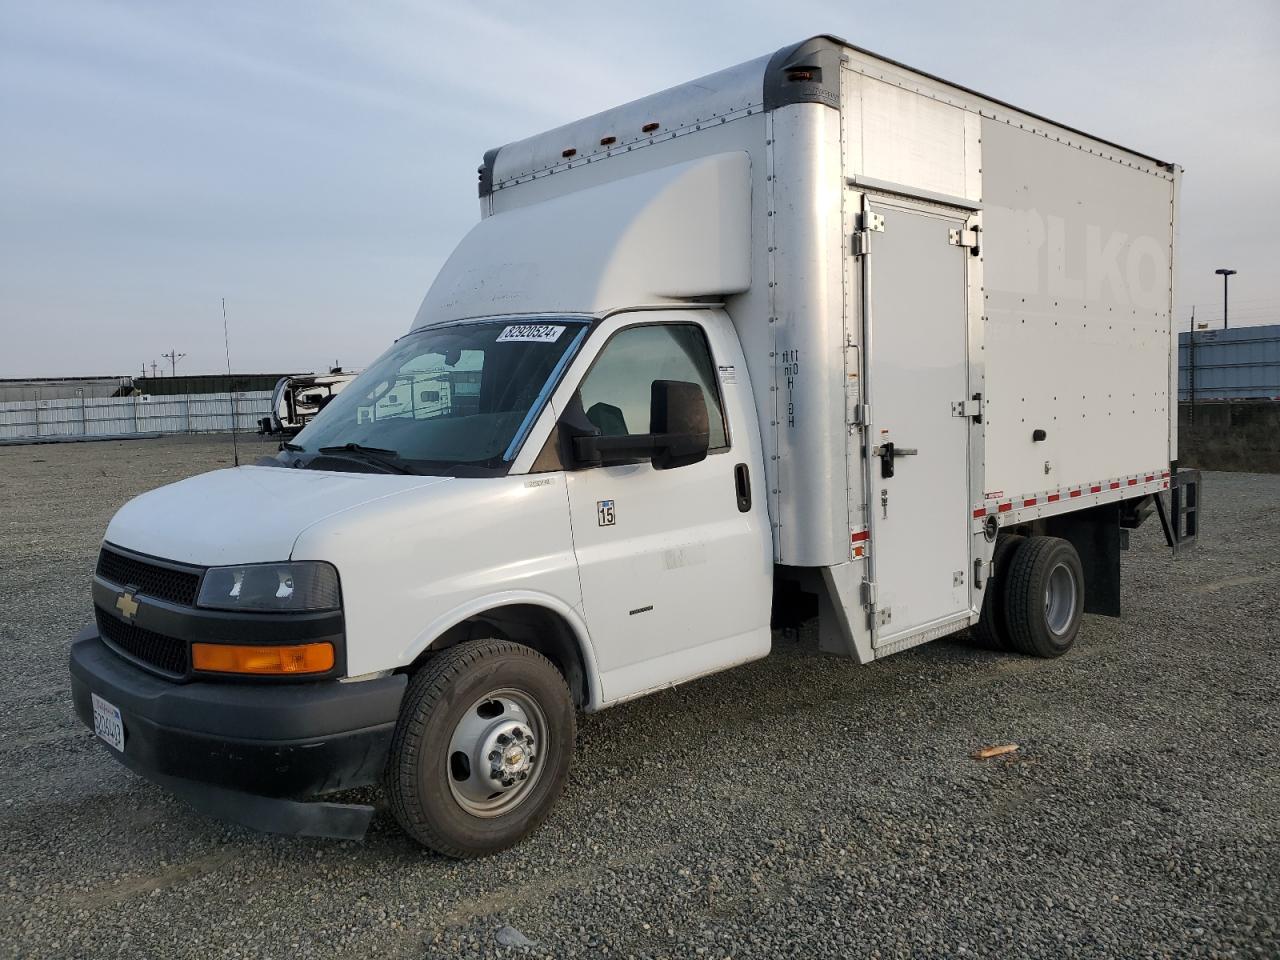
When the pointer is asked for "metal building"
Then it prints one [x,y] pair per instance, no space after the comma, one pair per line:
[1239,364]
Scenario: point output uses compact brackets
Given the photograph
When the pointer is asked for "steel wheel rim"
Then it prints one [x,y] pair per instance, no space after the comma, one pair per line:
[1060,599]
[503,737]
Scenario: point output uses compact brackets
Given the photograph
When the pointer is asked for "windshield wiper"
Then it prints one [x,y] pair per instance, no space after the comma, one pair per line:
[385,458]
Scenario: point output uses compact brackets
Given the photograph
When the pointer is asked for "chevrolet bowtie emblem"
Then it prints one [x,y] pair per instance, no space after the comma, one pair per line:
[127,605]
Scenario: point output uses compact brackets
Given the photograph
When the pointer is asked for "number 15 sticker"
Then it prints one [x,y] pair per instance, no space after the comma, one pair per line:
[604,512]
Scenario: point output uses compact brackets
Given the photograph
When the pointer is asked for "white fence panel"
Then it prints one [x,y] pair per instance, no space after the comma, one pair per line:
[123,416]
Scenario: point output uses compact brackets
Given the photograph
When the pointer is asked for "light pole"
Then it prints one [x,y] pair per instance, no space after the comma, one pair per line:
[1225,274]
[173,356]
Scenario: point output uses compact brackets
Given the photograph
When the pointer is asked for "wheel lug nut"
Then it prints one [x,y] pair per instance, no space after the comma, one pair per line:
[503,738]
[494,755]
[495,774]
[508,782]
[517,732]
[523,775]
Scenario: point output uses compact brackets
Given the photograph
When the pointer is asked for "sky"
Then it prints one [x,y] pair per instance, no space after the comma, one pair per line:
[313,162]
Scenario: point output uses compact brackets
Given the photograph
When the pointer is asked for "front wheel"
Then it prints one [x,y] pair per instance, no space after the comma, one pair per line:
[482,748]
[1044,597]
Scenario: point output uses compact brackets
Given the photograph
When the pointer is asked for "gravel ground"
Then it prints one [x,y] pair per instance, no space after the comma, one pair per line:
[800,806]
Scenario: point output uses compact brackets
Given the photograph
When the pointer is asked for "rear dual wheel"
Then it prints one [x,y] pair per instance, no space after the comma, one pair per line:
[482,748]
[1035,597]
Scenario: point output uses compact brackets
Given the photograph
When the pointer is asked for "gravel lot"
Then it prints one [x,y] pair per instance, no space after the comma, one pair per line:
[801,806]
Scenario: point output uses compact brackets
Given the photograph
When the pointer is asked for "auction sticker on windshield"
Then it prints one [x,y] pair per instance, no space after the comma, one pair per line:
[530,333]
[107,723]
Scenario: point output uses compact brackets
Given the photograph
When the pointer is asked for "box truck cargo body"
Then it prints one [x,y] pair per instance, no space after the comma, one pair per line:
[818,328]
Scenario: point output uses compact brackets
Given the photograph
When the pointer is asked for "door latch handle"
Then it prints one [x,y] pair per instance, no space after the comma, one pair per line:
[887,452]
[742,486]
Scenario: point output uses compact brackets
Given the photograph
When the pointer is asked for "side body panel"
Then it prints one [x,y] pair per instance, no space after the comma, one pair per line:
[1077,254]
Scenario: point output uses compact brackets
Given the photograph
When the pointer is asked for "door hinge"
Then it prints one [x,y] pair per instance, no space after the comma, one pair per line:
[876,616]
[966,237]
[861,416]
[869,222]
[968,408]
[869,594]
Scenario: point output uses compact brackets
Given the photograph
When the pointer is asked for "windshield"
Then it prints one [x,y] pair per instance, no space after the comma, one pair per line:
[459,395]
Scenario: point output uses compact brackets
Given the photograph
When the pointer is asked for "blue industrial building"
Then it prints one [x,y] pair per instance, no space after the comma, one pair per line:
[1238,364]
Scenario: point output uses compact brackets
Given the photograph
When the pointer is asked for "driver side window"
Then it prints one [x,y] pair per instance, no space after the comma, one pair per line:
[616,393]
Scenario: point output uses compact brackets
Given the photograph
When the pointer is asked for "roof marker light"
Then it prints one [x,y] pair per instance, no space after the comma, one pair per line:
[571,152]
[649,127]
[608,141]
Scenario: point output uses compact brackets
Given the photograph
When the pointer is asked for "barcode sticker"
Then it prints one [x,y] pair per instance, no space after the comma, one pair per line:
[530,333]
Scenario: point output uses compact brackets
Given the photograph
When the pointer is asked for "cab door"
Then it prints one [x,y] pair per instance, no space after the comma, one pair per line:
[675,564]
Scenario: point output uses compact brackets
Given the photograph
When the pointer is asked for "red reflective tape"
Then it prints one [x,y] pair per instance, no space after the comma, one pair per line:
[861,535]
[1005,506]
[1076,493]
[1133,481]
[1115,484]
[1149,479]
[1165,474]
[980,512]
[1052,497]
[1097,488]
[1029,503]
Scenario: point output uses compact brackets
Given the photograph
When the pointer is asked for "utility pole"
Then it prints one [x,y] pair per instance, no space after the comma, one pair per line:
[153,370]
[173,356]
[1225,274]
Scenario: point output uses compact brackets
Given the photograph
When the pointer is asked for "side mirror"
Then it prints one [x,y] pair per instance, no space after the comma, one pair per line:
[678,414]
[678,431]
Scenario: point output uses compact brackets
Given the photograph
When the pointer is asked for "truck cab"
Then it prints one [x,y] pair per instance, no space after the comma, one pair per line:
[584,515]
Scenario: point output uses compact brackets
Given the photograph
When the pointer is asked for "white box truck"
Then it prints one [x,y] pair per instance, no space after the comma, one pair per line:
[818,328]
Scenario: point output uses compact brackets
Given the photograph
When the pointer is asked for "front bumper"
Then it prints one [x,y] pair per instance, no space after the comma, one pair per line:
[246,752]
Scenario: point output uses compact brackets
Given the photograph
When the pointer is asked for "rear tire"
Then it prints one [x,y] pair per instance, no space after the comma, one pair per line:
[482,748]
[991,630]
[1044,597]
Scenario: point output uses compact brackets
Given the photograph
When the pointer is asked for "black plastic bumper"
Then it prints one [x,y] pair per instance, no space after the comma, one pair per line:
[246,752]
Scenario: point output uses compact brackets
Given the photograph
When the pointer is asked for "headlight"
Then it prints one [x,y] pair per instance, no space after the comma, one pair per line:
[309,585]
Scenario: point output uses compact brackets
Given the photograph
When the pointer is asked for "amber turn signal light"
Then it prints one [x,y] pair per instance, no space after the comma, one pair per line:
[236,658]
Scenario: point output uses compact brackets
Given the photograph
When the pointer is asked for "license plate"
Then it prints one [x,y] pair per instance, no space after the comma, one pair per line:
[107,723]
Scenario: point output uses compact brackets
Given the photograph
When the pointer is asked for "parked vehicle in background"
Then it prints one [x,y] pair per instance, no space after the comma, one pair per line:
[818,328]
[297,399]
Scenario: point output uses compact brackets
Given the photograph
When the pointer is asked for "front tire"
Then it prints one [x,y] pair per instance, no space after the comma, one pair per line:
[482,748]
[1044,597]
